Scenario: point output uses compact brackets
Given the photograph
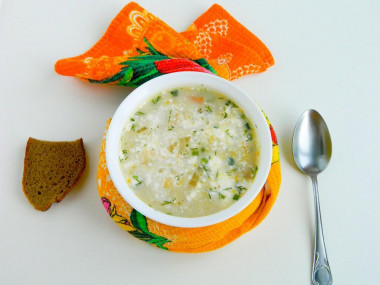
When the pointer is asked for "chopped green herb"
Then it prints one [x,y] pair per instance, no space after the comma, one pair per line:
[174,93]
[133,127]
[137,179]
[208,108]
[203,149]
[225,115]
[200,111]
[170,115]
[236,197]
[230,103]
[168,202]
[247,126]
[221,196]
[170,128]
[132,119]
[194,151]
[228,133]
[228,188]
[216,127]
[194,132]
[243,116]
[156,99]
[249,137]
[204,160]
[231,161]
[204,168]
[240,189]
[139,113]
[254,171]
[178,176]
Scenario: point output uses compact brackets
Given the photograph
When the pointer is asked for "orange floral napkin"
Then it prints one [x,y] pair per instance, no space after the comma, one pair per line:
[137,47]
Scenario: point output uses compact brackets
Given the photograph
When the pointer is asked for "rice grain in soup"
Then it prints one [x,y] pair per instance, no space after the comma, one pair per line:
[189,152]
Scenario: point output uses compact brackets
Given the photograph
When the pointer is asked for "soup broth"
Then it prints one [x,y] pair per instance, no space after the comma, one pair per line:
[189,152]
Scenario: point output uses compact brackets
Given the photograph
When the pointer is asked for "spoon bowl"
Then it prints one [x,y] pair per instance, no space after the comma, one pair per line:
[312,150]
[312,147]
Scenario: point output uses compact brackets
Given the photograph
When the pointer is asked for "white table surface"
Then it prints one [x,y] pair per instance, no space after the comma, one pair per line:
[327,58]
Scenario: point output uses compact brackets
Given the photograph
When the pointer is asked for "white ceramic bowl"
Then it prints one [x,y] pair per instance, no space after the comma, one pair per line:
[183,79]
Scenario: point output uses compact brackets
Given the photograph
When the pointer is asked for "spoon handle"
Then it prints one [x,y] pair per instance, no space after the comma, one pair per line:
[321,274]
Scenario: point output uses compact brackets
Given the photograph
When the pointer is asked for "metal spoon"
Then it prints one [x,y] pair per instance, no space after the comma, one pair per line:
[312,152]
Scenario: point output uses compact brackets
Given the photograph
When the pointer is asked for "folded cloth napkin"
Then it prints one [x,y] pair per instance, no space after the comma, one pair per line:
[137,47]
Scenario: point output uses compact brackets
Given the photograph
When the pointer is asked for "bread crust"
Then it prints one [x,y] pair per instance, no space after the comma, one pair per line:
[50,167]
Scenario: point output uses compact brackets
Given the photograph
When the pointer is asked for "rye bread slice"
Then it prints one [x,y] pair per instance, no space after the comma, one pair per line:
[51,169]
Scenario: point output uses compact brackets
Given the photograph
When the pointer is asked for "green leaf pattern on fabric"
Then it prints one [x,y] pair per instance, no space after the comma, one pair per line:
[136,221]
[142,68]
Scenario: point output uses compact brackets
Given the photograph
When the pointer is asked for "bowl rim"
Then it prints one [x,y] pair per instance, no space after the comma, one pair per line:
[174,80]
